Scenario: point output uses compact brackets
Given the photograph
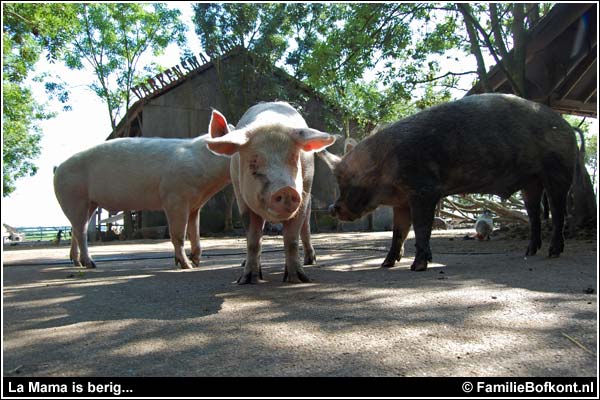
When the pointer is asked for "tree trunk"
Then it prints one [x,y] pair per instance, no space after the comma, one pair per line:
[582,200]
[465,9]
[517,67]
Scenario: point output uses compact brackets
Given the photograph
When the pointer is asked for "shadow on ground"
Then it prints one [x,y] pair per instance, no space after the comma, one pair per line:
[477,311]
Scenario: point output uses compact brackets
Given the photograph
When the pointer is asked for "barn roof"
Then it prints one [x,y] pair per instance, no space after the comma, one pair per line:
[136,108]
[561,61]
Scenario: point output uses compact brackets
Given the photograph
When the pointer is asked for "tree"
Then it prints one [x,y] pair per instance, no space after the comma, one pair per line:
[349,41]
[502,30]
[260,27]
[332,47]
[28,30]
[112,39]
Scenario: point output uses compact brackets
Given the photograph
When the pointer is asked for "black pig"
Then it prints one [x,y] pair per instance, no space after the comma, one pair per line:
[491,143]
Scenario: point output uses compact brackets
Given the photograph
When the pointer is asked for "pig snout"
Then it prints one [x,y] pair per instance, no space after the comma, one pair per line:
[340,211]
[285,202]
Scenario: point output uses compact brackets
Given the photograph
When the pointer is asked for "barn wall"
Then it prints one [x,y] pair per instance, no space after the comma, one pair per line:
[232,86]
[184,111]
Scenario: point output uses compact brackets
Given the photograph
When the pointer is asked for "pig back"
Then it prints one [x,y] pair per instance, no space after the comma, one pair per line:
[272,112]
[491,143]
[130,173]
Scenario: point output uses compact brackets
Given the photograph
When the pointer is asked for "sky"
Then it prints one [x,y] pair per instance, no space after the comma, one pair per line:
[33,203]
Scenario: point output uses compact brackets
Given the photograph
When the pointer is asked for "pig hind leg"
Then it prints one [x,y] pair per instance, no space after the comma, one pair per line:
[80,217]
[422,210]
[532,197]
[557,188]
[309,252]
[193,231]
[177,218]
[74,253]
[400,232]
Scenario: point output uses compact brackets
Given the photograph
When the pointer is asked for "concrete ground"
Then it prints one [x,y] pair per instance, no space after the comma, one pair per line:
[480,309]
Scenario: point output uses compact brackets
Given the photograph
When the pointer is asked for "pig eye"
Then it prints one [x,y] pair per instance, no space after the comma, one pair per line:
[255,163]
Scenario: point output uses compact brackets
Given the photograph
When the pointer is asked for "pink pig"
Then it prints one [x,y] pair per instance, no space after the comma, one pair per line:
[272,168]
[174,175]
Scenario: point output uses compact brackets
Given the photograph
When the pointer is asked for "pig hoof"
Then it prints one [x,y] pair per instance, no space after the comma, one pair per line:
[555,250]
[388,263]
[554,253]
[531,251]
[90,265]
[310,260]
[77,263]
[250,278]
[418,266]
[183,265]
[260,275]
[298,277]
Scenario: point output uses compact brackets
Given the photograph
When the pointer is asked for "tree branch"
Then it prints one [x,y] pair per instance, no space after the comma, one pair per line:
[447,74]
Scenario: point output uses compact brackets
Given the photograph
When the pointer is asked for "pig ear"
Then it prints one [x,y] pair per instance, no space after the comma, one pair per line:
[311,139]
[330,159]
[349,145]
[218,125]
[228,144]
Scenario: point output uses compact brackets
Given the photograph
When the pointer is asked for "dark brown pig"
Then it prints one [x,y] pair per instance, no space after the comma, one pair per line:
[491,143]
[272,168]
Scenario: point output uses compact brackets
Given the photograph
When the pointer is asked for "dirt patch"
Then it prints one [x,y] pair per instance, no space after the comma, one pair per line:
[481,309]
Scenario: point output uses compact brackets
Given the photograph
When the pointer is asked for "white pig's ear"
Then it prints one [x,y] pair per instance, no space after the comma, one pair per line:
[311,139]
[218,126]
[228,144]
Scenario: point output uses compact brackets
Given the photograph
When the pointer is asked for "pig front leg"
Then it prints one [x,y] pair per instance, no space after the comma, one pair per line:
[310,257]
[254,230]
[193,231]
[294,272]
[422,210]
[401,228]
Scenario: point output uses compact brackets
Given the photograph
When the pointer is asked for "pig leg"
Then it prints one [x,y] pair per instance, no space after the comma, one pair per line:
[193,231]
[557,194]
[422,210]
[254,229]
[177,219]
[79,236]
[74,253]
[532,197]
[294,272]
[309,252]
[400,232]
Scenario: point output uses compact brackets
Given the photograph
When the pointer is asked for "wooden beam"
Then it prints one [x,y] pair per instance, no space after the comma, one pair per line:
[576,74]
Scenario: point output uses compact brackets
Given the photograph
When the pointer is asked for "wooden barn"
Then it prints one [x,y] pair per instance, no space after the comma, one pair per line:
[178,103]
[561,61]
